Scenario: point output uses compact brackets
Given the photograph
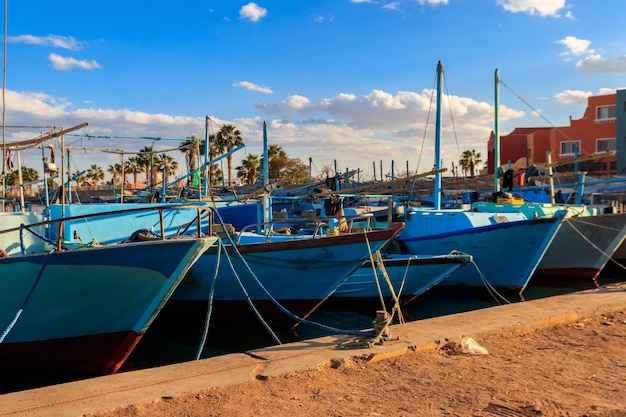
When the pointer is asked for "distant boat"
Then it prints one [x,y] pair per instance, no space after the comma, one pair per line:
[506,247]
[85,309]
[409,277]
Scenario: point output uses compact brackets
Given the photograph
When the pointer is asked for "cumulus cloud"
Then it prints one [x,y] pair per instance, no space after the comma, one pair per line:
[596,64]
[252,12]
[382,110]
[552,8]
[62,63]
[253,87]
[575,46]
[57,41]
[574,97]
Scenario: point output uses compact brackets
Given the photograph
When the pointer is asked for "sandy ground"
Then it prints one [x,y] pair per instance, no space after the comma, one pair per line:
[576,369]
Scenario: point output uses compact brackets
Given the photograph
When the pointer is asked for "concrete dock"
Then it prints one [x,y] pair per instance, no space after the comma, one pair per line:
[148,385]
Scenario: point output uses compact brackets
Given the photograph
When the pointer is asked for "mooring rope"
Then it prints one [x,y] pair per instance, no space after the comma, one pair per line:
[606,255]
[276,303]
[490,288]
[207,320]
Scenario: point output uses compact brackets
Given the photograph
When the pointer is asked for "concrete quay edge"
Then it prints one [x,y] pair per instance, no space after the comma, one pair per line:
[164,383]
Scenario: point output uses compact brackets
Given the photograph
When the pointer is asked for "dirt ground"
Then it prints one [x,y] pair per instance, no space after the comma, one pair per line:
[576,369]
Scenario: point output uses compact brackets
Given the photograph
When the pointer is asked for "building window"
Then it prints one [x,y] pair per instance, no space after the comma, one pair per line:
[570,148]
[604,145]
[605,113]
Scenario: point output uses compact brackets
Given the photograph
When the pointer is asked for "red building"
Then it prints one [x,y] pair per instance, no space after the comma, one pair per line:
[594,133]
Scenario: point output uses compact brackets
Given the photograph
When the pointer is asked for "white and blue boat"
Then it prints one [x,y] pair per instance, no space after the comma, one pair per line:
[84,309]
[506,247]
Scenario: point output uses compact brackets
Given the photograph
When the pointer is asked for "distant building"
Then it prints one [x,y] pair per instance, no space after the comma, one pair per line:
[602,128]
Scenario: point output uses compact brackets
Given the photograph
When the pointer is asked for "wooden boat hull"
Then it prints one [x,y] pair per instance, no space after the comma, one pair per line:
[85,310]
[297,273]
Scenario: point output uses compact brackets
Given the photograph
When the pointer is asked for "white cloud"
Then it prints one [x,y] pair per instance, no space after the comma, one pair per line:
[356,130]
[392,6]
[541,8]
[433,2]
[574,97]
[575,46]
[595,64]
[252,12]
[253,87]
[66,63]
[382,110]
[65,42]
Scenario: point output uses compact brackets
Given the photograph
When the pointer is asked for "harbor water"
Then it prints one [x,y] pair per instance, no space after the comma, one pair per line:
[171,345]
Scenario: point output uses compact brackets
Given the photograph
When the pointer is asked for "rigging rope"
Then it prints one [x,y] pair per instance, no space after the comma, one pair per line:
[275,302]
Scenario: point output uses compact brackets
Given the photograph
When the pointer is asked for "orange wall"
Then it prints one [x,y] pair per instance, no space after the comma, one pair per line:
[540,139]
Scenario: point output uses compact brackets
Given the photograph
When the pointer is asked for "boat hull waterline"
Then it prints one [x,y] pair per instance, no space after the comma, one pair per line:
[85,310]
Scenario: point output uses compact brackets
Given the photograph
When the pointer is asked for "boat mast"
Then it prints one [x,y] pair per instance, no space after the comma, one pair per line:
[4,82]
[266,203]
[438,138]
[206,158]
[496,134]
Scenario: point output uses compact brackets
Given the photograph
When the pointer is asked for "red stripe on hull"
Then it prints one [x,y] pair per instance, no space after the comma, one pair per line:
[100,354]
[573,273]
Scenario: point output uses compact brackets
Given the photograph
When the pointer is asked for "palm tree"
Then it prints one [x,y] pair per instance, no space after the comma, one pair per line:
[168,164]
[277,160]
[28,175]
[96,174]
[146,160]
[327,171]
[79,178]
[248,171]
[215,149]
[191,149]
[133,166]
[116,171]
[469,161]
[228,138]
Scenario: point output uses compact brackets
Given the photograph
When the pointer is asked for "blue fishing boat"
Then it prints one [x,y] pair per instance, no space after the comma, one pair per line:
[506,247]
[593,238]
[283,278]
[399,277]
[84,308]
[275,271]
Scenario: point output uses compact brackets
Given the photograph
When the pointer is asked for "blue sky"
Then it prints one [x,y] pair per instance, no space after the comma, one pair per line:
[336,80]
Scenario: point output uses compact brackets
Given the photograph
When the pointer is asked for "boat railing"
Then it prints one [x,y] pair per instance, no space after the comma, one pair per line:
[310,227]
[55,228]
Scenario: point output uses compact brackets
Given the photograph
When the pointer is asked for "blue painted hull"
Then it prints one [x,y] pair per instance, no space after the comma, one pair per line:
[85,310]
[506,251]
[593,238]
[409,276]
[298,273]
